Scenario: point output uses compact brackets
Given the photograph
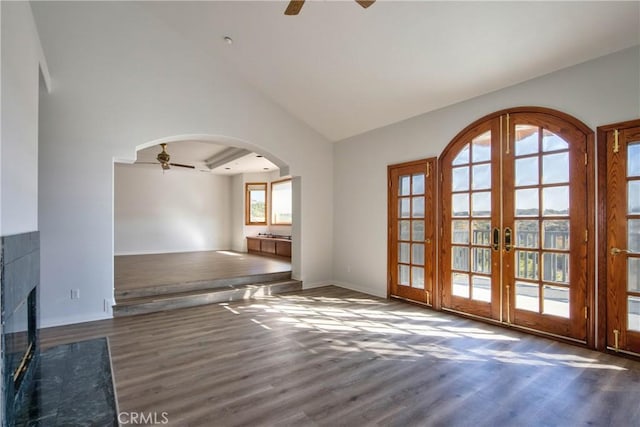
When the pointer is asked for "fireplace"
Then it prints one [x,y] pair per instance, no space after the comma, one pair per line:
[20,338]
[20,279]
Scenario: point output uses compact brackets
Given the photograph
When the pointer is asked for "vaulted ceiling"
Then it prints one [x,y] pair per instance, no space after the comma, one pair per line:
[345,70]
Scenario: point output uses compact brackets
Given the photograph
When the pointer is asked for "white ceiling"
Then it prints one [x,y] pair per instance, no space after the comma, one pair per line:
[196,152]
[345,70]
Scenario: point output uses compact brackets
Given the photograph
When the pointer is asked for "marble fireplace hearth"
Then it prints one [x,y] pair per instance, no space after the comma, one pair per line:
[19,284]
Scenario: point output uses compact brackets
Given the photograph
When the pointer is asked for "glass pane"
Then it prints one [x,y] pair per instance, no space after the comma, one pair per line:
[403,230]
[527,234]
[460,204]
[526,139]
[634,197]
[417,250]
[418,207]
[481,232]
[556,301]
[633,235]
[463,156]
[417,277]
[633,314]
[527,265]
[555,267]
[403,253]
[417,233]
[460,231]
[555,234]
[555,168]
[482,147]
[460,258]
[404,208]
[527,171]
[552,142]
[481,177]
[481,288]
[527,296]
[527,202]
[633,274]
[404,186]
[418,183]
[460,285]
[481,203]
[633,159]
[403,275]
[460,180]
[481,260]
[555,201]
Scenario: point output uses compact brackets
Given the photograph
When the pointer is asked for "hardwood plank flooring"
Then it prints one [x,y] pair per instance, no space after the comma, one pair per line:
[331,356]
[141,271]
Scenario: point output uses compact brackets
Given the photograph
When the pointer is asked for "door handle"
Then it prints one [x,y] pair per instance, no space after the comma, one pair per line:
[507,239]
[496,238]
[616,251]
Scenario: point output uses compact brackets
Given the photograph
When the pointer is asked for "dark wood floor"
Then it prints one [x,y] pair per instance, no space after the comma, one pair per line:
[141,271]
[331,356]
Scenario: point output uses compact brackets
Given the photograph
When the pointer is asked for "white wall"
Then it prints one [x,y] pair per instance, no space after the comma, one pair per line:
[21,56]
[172,211]
[602,91]
[123,80]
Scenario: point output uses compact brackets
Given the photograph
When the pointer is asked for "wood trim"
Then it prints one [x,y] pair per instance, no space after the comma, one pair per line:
[525,109]
[572,129]
[247,204]
[428,167]
[271,197]
[603,237]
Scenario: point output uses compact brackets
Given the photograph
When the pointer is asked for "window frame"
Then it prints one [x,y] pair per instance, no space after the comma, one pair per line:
[247,203]
[274,184]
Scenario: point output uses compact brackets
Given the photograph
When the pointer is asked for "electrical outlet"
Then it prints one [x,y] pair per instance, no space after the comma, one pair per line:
[75,293]
[106,306]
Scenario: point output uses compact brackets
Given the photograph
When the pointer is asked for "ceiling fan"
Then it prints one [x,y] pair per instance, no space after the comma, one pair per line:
[296,5]
[164,160]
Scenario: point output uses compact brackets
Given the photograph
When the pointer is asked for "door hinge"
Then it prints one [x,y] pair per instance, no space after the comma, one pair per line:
[586,161]
[586,235]
[508,136]
[428,169]
[616,339]
[616,143]
[441,176]
[586,312]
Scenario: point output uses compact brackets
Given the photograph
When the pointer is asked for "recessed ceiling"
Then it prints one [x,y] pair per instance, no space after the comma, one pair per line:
[345,70]
[196,152]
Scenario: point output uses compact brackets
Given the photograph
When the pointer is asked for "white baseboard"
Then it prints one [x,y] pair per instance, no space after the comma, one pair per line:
[357,288]
[171,251]
[70,320]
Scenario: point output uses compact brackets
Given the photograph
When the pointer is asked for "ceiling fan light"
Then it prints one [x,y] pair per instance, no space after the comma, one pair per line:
[165,166]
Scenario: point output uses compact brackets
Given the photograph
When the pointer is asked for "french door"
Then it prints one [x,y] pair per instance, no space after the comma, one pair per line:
[623,238]
[411,239]
[515,222]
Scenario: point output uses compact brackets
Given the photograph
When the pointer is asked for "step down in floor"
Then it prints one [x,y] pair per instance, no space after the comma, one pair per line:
[181,287]
[172,301]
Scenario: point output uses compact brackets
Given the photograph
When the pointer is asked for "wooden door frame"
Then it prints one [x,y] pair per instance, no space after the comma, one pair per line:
[431,254]
[591,202]
[601,339]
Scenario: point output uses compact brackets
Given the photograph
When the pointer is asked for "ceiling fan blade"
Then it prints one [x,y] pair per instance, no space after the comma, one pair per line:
[179,165]
[294,7]
[145,163]
[365,3]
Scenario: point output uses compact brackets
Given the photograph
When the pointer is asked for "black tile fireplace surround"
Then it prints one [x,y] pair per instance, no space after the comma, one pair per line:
[20,280]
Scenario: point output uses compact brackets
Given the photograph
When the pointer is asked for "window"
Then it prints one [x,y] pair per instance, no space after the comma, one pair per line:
[281,202]
[256,203]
